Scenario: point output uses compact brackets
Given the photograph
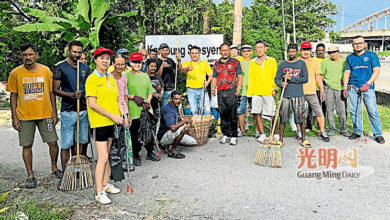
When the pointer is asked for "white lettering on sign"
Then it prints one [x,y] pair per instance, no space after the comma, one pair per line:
[208,44]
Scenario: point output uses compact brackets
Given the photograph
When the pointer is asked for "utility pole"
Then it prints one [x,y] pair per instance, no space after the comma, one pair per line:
[385,22]
[342,17]
[237,23]
[284,32]
[293,11]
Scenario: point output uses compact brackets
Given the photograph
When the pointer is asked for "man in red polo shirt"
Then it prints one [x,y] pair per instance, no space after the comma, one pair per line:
[227,78]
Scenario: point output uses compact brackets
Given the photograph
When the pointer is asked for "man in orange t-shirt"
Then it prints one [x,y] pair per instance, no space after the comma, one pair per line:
[33,105]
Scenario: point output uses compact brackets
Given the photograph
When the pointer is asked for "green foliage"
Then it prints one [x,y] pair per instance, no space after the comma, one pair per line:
[35,210]
[334,36]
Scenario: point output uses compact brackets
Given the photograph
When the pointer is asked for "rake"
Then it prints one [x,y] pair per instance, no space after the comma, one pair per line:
[78,167]
[270,153]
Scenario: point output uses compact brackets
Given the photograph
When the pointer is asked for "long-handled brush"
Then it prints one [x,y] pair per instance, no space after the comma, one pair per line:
[270,153]
[129,158]
[78,166]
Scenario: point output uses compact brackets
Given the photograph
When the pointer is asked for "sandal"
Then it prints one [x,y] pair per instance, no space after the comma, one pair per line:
[57,173]
[177,155]
[306,143]
[31,183]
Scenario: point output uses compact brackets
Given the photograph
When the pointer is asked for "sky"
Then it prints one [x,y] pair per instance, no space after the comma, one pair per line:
[353,11]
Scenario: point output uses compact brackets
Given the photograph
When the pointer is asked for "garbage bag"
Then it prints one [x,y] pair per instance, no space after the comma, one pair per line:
[147,126]
[117,152]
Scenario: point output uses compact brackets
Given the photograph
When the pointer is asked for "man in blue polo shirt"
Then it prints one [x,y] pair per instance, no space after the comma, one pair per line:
[172,130]
[65,85]
[362,68]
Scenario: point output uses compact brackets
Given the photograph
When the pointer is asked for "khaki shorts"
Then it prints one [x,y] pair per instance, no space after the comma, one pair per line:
[264,105]
[45,127]
[314,103]
[170,136]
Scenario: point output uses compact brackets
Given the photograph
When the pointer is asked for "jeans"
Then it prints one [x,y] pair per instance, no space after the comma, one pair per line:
[165,99]
[195,99]
[369,99]
[335,99]
[227,105]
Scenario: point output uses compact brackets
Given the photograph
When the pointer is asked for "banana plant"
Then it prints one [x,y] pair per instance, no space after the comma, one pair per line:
[1,199]
[83,23]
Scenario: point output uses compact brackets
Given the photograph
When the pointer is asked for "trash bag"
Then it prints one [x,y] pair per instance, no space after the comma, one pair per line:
[117,152]
[147,126]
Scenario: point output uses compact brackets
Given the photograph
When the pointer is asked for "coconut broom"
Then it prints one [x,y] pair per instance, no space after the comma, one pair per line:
[270,153]
[78,166]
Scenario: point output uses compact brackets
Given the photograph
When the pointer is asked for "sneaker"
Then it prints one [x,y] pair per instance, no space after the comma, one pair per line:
[110,188]
[380,139]
[241,134]
[324,137]
[152,156]
[354,136]
[137,161]
[332,132]
[261,138]
[31,183]
[233,141]
[345,133]
[102,198]
[257,134]
[224,139]
[276,137]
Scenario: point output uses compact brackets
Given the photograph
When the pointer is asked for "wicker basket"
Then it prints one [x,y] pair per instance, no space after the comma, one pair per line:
[199,128]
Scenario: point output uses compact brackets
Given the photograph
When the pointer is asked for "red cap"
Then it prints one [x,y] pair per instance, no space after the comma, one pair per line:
[136,56]
[102,50]
[306,45]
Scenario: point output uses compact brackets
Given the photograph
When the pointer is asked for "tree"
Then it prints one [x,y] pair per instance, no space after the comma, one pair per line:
[82,23]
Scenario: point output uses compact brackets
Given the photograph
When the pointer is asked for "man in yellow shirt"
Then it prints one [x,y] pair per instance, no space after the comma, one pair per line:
[196,71]
[309,88]
[33,105]
[262,87]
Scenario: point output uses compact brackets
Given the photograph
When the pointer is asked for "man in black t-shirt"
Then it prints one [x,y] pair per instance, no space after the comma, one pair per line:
[166,68]
[158,85]
[65,85]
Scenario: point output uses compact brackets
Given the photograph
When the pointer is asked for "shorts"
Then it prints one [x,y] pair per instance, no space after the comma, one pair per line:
[314,103]
[170,136]
[68,128]
[103,133]
[242,105]
[264,105]
[298,106]
[46,129]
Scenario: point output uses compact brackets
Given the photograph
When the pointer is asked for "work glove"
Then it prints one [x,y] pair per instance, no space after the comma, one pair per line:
[146,106]
[138,100]
[345,93]
[365,87]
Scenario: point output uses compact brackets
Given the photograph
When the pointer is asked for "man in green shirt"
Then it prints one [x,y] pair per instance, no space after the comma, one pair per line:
[333,72]
[246,52]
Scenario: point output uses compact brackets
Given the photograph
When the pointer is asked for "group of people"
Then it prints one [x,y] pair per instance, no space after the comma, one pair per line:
[122,87]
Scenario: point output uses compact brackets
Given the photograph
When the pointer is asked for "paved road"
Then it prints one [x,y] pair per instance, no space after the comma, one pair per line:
[221,182]
[383,81]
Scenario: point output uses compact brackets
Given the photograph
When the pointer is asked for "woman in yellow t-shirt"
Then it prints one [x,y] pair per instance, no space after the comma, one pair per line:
[104,111]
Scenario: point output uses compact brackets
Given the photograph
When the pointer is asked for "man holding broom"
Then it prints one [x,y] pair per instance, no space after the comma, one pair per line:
[33,105]
[64,85]
[361,70]
[294,74]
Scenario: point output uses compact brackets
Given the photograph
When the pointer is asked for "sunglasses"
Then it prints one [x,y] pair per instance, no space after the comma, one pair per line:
[137,61]
[246,51]
[331,52]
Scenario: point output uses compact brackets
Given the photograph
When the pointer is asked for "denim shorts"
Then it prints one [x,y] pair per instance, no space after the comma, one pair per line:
[242,105]
[68,128]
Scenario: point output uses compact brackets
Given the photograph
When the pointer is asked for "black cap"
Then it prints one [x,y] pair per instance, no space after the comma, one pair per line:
[163,45]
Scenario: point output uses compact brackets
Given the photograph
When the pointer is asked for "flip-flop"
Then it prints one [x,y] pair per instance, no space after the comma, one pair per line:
[306,143]
[177,155]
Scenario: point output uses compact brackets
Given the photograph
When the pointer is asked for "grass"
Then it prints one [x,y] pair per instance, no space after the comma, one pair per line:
[383,53]
[34,209]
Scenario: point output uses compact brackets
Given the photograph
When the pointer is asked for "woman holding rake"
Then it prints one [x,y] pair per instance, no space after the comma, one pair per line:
[104,111]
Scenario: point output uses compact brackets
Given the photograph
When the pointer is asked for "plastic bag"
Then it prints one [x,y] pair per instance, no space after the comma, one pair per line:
[117,152]
[147,127]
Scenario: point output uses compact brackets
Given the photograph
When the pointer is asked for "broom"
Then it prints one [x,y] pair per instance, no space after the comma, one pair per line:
[270,153]
[78,166]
